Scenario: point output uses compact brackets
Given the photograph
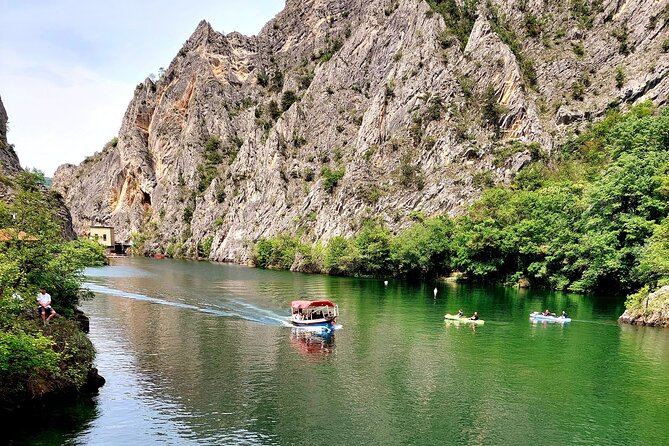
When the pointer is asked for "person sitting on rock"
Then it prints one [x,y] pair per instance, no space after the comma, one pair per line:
[44,307]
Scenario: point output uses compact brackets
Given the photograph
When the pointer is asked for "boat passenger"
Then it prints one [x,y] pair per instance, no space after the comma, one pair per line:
[564,314]
[475,316]
[548,313]
[460,313]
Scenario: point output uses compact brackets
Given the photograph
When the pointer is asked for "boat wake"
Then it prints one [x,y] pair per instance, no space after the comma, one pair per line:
[231,308]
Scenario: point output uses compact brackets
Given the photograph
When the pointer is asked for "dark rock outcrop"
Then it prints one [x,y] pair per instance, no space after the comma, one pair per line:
[10,167]
[651,310]
[9,162]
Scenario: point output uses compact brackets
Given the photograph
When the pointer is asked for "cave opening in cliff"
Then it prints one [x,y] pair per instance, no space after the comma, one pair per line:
[146,198]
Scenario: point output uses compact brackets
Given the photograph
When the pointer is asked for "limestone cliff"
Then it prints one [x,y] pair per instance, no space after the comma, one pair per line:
[9,162]
[342,110]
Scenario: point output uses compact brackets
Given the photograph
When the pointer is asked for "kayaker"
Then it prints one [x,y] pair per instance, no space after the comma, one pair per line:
[475,316]
[460,313]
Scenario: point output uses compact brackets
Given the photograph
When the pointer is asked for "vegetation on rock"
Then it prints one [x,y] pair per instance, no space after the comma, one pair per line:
[35,359]
[459,18]
[594,216]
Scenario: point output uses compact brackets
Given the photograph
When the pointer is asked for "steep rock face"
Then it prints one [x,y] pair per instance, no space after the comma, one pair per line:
[9,162]
[10,167]
[343,110]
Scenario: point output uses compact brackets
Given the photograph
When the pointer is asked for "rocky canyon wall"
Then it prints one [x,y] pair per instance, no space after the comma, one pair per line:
[338,111]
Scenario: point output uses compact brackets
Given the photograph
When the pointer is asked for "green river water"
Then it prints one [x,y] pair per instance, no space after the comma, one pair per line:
[199,353]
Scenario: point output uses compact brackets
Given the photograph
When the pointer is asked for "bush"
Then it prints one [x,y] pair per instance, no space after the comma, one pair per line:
[331,178]
[584,11]
[22,354]
[459,18]
[622,36]
[188,214]
[341,257]
[34,363]
[410,173]
[620,77]
[492,110]
[273,109]
[262,79]
[306,79]
[204,247]
[276,83]
[332,46]
[276,252]
[423,249]
[532,25]
[577,90]
[287,99]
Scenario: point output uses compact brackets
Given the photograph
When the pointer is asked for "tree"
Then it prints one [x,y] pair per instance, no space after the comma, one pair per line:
[33,254]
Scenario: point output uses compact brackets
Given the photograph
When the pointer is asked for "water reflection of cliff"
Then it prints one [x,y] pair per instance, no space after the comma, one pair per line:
[313,344]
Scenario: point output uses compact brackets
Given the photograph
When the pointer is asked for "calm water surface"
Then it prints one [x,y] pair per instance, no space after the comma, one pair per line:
[199,353]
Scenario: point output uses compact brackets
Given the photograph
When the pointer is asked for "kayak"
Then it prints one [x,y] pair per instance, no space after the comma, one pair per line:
[540,317]
[453,317]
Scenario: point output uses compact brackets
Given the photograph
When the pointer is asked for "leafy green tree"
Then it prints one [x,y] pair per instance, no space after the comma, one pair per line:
[34,254]
[341,257]
[373,246]
[276,252]
[423,249]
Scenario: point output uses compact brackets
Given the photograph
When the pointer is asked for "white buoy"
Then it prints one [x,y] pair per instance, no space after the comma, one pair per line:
[435,293]
[385,282]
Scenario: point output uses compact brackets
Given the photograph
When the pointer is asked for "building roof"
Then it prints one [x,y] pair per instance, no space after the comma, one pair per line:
[303,304]
[10,234]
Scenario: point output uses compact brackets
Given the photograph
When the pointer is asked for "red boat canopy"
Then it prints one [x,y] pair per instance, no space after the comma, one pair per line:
[304,304]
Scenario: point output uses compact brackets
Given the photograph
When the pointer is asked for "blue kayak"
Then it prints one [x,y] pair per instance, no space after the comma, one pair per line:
[540,317]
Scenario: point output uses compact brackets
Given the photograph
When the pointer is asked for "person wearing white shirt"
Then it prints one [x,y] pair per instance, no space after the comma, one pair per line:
[44,308]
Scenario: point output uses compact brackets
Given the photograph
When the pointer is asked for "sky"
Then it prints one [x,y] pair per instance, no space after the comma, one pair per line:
[68,68]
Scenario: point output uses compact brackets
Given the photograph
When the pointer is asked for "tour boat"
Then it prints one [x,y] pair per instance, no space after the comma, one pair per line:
[537,316]
[314,314]
[455,317]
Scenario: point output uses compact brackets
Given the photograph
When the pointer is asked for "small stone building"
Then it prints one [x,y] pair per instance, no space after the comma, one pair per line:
[103,234]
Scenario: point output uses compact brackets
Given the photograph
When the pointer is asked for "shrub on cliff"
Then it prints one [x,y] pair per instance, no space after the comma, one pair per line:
[37,360]
[331,178]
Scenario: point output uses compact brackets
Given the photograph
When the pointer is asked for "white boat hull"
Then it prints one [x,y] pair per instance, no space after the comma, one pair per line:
[541,317]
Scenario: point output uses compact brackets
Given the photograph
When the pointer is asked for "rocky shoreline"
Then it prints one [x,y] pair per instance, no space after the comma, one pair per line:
[650,309]
[37,392]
